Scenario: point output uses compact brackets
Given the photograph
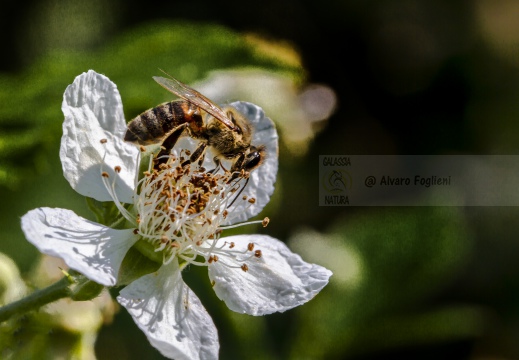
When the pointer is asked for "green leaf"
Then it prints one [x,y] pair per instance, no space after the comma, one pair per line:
[82,288]
[135,265]
[106,212]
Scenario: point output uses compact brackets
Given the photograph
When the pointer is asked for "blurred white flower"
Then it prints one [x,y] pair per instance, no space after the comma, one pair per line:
[180,213]
[12,286]
[299,110]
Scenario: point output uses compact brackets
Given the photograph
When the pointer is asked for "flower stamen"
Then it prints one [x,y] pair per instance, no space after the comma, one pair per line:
[110,187]
[181,208]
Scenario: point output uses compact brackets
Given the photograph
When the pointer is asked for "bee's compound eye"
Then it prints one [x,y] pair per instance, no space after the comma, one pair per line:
[253,160]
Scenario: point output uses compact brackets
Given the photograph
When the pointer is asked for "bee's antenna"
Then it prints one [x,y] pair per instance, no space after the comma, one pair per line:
[236,197]
[165,73]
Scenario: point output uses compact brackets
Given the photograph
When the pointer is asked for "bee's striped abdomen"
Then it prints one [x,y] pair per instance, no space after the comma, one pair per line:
[150,126]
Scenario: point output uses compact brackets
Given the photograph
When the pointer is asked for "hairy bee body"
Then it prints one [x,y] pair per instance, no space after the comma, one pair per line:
[153,124]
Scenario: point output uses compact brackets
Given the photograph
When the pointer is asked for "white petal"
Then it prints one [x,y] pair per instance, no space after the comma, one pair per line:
[94,250]
[93,111]
[171,315]
[262,179]
[278,281]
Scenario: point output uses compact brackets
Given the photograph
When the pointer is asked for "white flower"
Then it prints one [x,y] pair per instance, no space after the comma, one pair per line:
[180,213]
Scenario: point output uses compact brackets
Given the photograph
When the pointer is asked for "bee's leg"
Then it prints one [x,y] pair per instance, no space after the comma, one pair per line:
[202,156]
[237,165]
[239,192]
[167,144]
[218,163]
[198,154]
[237,168]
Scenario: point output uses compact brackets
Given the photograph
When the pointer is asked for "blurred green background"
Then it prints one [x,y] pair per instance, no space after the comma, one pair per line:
[338,77]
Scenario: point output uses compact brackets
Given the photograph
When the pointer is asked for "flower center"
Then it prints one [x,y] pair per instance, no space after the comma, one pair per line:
[180,209]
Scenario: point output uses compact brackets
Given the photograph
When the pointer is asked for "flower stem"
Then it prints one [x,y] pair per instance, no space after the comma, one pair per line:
[58,290]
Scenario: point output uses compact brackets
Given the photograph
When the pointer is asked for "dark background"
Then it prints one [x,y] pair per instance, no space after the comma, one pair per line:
[411,77]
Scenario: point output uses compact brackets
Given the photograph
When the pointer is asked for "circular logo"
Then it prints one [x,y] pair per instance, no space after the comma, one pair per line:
[336,181]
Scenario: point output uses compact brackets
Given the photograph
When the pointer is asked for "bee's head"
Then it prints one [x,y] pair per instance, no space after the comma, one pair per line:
[254,158]
[250,159]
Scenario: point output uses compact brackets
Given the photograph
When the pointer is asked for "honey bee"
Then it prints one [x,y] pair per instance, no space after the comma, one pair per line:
[224,129]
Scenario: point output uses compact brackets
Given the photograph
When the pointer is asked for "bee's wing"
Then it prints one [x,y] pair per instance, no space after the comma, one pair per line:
[194,97]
